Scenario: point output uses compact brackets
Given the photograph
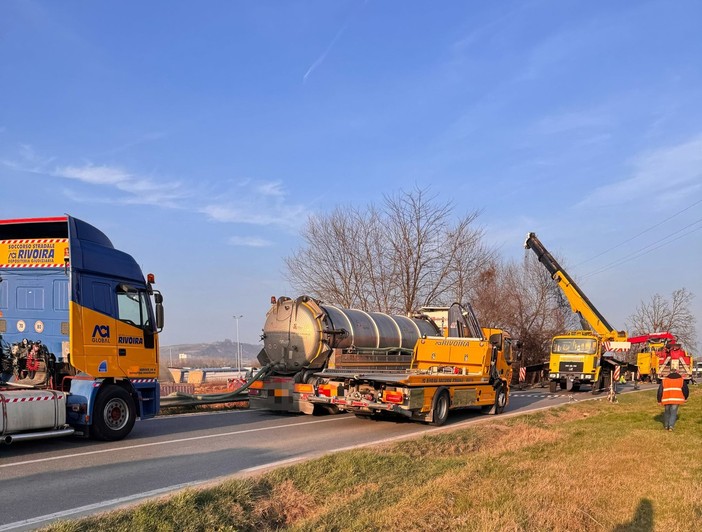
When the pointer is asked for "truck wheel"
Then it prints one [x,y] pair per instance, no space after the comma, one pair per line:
[563,384]
[114,414]
[598,385]
[440,409]
[500,399]
[552,386]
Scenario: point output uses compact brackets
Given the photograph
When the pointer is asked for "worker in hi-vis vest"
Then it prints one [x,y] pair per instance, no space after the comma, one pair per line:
[672,392]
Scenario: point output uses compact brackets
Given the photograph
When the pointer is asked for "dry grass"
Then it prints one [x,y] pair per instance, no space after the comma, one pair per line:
[586,466]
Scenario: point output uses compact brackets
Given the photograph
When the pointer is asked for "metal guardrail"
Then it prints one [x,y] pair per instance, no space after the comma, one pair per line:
[238,395]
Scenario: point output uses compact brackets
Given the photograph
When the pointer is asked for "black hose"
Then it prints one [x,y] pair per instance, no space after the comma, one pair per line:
[177,397]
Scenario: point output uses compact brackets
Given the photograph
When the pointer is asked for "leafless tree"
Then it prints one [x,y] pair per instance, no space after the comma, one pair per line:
[435,259]
[523,299]
[407,253]
[539,310]
[330,265]
[661,314]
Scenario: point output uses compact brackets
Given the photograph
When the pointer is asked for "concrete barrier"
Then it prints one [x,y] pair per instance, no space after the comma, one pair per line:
[196,376]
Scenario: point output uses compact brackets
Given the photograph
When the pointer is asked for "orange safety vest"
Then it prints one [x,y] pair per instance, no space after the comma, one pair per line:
[672,391]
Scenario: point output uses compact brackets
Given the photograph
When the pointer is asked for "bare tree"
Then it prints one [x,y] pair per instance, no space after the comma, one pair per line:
[434,258]
[330,265]
[660,314]
[523,299]
[409,253]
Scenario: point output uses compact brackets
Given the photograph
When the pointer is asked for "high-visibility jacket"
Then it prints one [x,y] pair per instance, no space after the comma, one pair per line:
[673,391]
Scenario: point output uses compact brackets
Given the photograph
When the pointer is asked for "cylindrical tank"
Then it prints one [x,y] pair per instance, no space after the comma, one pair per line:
[25,410]
[301,333]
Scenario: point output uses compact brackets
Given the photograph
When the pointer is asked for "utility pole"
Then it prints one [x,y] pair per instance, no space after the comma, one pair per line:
[238,346]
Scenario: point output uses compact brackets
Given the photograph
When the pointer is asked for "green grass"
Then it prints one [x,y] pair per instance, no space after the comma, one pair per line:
[584,466]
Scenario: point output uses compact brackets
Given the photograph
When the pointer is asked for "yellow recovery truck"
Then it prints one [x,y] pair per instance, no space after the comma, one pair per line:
[588,356]
[469,366]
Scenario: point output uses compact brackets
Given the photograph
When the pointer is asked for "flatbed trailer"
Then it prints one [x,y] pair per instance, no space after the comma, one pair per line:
[471,367]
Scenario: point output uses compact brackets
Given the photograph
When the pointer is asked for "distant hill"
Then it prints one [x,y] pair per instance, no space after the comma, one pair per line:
[224,351]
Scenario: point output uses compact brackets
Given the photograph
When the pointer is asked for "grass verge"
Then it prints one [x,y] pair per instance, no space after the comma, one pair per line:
[584,466]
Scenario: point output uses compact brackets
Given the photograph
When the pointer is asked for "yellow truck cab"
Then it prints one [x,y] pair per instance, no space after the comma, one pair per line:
[79,325]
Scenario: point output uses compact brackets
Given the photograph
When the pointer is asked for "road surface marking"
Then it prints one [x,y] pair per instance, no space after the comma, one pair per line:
[96,506]
[168,442]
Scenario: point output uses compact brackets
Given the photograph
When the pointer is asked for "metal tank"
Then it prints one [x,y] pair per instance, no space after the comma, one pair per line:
[301,333]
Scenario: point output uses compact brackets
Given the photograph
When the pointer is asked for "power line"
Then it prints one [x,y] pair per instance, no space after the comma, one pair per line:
[646,249]
[639,234]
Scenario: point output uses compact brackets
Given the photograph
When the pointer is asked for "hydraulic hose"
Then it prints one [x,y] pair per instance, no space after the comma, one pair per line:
[182,399]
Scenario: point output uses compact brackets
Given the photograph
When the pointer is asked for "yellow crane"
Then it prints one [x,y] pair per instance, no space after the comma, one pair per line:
[583,356]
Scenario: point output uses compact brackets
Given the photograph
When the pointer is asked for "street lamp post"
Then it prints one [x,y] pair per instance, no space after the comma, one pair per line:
[238,346]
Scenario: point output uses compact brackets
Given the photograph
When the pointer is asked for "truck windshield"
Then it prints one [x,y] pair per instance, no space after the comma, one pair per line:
[580,346]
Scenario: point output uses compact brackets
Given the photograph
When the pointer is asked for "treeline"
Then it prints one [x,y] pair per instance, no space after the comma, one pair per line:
[412,250]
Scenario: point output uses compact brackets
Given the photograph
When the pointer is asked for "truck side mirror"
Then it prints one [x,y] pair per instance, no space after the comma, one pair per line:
[159,314]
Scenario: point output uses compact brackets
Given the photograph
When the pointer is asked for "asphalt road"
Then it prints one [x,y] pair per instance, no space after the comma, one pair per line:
[69,477]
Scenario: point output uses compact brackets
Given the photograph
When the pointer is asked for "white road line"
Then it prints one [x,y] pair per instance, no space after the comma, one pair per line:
[97,506]
[169,442]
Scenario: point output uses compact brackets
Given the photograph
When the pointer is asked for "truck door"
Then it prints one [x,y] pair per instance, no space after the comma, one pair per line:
[137,352]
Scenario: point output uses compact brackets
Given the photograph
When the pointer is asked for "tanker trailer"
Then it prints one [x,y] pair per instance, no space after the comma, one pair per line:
[304,336]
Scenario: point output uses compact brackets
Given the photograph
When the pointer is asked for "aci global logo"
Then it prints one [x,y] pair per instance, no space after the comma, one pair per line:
[101,334]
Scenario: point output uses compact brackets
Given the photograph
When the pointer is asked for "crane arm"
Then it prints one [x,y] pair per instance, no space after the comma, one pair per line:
[579,302]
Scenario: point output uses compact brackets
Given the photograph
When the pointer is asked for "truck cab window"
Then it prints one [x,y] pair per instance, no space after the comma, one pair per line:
[132,307]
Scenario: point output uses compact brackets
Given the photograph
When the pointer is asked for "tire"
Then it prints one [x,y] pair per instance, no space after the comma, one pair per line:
[552,386]
[602,383]
[595,387]
[500,399]
[114,414]
[440,409]
[563,384]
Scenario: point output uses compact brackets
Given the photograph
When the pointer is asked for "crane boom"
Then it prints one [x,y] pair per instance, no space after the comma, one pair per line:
[579,302]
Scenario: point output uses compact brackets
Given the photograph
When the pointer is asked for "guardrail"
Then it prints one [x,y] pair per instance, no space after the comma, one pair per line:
[238,395]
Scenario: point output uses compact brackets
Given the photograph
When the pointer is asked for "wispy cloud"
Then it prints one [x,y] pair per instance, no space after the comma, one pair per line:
[274,188]
[573,121]
[318,62]
[249,241]
[95,175]
[324,55]
[251,207]
[238,201]
[667,174]
[144,139]
[135,189]
[27,160]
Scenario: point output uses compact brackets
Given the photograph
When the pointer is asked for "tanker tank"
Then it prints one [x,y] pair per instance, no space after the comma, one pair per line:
[302,333]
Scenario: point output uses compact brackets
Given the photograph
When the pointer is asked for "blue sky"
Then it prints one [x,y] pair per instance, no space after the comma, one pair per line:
[200,135]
